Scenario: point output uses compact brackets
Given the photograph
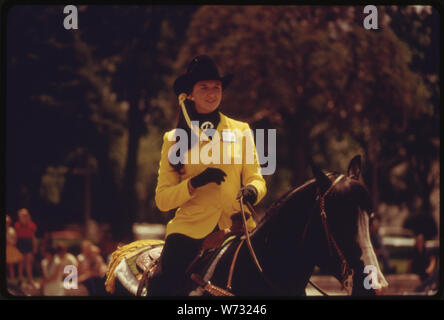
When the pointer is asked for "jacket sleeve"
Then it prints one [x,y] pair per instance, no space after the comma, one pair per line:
[170,191]
[251,172]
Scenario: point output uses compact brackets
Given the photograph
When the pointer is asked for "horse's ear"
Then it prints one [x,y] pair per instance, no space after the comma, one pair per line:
[322,180]
[354,168]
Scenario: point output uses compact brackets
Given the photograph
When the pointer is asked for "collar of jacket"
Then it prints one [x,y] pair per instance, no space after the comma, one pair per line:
[223,124]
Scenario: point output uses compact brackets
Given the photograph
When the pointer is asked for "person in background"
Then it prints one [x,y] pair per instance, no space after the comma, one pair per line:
[13,255]
[422,263]
[26,229]
[431,283]
[108,245]
[52,270]
[92,268]
[45,242]
[66,258]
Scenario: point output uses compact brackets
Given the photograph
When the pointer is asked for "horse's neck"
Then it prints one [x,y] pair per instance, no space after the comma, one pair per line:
[278,242]
[288,220]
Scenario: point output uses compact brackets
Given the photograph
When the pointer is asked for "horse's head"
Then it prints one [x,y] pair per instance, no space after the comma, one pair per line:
[342,215]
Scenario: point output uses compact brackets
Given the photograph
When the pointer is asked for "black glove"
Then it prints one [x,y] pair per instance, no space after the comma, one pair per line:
[249,194]
[208,175]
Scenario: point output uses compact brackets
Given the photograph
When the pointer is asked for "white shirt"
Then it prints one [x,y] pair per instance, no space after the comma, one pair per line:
[55,287]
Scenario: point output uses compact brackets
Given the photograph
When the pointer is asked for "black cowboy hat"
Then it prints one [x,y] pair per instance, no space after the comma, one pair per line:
[200,68]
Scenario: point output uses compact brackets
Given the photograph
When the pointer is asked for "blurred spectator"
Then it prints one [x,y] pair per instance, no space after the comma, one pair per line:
[46,242]
[380,250]
[13,255]
[66,258]
[26,229]
[432,282]
[422,223]
[52,270]
[108,245]
[92,269]
[423,264]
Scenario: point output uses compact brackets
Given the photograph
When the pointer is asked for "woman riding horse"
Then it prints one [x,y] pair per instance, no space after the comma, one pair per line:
[205,193]
[324,223]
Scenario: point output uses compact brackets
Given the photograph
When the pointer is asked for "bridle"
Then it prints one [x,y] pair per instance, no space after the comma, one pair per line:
[346,271]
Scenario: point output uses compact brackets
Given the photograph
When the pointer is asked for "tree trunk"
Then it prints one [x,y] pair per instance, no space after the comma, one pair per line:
[107,197]
[130,200]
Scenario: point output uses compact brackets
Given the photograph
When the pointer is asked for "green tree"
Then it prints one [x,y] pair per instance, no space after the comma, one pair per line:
[98,85]
[418,27]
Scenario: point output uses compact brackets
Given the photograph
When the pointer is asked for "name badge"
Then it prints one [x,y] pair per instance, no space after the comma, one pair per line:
[228,136]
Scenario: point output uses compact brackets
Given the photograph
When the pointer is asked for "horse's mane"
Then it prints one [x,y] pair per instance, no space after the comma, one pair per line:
[277,204]
[358,189]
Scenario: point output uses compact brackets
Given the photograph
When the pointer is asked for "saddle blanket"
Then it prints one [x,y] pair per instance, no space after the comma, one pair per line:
[130,261]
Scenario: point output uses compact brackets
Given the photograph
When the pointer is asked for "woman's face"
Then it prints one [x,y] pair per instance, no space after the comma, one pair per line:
[86,248]
[206,95]
[23,216]
[48,255]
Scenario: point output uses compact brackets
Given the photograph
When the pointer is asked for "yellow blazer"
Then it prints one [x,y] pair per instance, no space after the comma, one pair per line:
[210,205]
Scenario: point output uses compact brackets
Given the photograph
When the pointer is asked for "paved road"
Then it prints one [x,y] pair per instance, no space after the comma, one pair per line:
[399,284]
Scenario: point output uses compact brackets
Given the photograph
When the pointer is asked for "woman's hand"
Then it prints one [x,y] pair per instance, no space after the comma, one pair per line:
[249,193]
[208,175]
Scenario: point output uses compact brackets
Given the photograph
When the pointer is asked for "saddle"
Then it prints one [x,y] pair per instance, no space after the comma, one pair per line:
[135,263]
[148,261]
[123,264]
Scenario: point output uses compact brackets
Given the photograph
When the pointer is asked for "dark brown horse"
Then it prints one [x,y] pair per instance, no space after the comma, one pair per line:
[323,223]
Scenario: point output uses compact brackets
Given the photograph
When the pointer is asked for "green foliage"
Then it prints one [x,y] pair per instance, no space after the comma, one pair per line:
[148,163]
[90,88]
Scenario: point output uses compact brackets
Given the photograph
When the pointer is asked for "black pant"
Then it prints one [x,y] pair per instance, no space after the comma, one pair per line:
[177,254]
[95,286]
